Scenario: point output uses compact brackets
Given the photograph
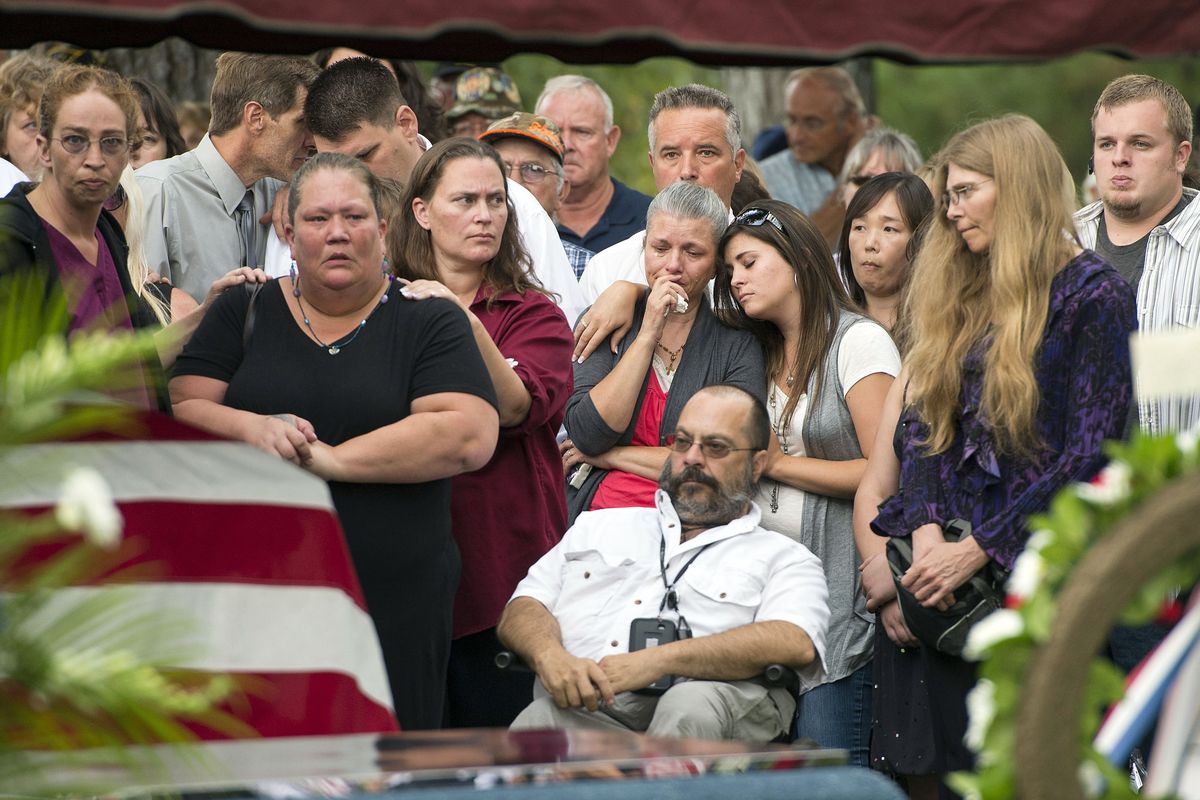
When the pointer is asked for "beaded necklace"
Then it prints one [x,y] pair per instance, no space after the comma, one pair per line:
[781,432]
[674,354]
[334,349]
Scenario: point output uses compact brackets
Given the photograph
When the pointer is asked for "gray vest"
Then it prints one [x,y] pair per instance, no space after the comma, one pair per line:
[828,531]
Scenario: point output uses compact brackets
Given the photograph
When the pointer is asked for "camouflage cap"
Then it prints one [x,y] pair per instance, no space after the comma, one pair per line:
[484,90]
[523,125]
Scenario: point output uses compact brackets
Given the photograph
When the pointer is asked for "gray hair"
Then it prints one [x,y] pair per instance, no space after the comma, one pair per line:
[685,200]
[899,151]
[576,83]
[696,95]
[838,81]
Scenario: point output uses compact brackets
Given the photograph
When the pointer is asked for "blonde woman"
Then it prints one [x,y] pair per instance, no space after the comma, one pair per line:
[1017,371]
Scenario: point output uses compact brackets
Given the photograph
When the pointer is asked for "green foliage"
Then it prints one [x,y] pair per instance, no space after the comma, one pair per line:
[78,668]
[1079,516]
[931,103]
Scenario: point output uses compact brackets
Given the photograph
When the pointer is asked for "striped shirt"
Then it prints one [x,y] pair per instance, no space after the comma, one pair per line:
[805,186]
[1168,297]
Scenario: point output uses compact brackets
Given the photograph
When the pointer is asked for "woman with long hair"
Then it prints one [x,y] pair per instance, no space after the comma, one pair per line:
[457,238]
[828,371]
[1017,370]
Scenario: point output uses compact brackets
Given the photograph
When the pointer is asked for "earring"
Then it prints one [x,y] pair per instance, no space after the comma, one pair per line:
[387,268]
[295,279]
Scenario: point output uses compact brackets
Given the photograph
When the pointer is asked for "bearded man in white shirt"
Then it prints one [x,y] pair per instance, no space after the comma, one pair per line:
[660,620]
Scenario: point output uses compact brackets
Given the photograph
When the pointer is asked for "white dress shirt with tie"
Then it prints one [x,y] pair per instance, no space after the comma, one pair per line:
[192,223]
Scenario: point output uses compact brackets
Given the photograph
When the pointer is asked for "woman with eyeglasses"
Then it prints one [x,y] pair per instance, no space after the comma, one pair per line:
[626,403]
[458,240]
[1017,370]
[827,371]
[880,150]
[60,228]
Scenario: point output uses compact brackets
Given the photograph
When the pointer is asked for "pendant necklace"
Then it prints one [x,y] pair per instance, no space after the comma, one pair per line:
[781,433]
[674,354]
[334,349]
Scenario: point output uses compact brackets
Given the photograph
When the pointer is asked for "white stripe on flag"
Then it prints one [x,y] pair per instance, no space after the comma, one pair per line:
[249,628]
[195,472]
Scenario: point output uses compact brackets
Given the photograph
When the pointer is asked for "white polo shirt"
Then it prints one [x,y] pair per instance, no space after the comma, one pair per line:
[605,572]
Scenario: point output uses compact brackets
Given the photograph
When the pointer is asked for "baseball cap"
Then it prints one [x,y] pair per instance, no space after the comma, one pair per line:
[523,125]
[484,90]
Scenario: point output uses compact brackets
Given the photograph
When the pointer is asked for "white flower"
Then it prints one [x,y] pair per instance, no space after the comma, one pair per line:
[1027,574]
[1091,779]
[1109,487]
[86,505]
[1001,624]
[1187,441]
[1039,539]
[981,706]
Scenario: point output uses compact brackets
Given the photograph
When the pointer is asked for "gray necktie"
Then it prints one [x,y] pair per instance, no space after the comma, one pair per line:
[246,226]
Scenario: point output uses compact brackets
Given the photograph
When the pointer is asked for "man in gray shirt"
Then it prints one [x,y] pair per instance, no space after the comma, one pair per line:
[203,207]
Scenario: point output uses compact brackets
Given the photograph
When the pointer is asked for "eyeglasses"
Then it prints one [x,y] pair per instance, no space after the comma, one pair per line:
[531,171]
[711,448]
[959,194]
[115,200]
[859,180]
[754,217]
[75,144]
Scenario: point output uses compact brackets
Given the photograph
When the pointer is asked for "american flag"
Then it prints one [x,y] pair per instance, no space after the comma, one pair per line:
[249,548]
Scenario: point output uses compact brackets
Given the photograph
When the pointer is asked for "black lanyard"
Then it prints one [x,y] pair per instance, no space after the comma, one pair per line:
[670,598]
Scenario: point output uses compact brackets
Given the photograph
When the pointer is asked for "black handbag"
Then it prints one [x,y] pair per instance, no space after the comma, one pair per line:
[946,631]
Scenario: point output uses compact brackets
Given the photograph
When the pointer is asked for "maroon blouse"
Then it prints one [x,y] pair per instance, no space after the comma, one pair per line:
[509,513]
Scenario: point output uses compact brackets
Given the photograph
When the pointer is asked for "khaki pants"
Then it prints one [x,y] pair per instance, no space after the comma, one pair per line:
[741,710]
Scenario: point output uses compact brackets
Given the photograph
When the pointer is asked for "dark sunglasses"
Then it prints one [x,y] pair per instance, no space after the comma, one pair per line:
[754,217]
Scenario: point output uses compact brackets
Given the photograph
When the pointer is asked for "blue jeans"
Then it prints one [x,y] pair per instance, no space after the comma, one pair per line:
[838,715]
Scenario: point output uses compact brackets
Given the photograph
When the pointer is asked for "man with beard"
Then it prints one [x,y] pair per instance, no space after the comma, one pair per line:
[1146,223]
[658,620]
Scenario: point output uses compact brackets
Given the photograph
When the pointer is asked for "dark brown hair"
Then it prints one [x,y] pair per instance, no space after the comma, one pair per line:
[822,296]
[410,246]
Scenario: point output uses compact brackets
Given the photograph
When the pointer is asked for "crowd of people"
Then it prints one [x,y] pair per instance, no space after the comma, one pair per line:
[541,397]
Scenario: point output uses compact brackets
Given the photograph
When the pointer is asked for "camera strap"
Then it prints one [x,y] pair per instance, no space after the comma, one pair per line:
[670,597]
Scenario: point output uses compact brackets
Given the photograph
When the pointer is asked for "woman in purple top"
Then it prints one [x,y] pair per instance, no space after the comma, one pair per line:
[1018,370]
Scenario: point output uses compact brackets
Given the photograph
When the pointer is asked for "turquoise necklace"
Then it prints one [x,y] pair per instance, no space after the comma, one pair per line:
[334,349]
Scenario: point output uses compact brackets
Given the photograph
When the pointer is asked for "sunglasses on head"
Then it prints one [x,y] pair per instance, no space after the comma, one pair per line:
[754,217]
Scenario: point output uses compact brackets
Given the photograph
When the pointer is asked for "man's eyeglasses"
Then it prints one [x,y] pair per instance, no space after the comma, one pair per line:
[712,448]
[961,193]
[75,144]
[754,217]
[531,171]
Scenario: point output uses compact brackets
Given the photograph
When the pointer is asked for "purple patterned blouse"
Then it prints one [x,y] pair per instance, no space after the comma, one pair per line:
[1085,377]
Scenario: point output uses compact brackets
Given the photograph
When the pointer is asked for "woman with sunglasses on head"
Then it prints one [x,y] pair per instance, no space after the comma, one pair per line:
[879,238]
[828,370]
[1017,370]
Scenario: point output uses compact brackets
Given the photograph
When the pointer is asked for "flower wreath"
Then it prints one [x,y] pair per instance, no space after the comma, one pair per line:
[1079,516]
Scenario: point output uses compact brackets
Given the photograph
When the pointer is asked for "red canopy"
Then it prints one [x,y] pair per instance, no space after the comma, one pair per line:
[707,31]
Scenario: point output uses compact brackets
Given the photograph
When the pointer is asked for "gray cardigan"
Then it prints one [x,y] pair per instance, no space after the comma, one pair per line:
[713,353]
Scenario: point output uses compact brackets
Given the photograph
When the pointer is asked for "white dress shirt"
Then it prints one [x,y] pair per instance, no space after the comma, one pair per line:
[605,572]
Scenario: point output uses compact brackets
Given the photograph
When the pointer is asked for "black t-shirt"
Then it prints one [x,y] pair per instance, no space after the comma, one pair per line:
[399,535]
[408,349]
